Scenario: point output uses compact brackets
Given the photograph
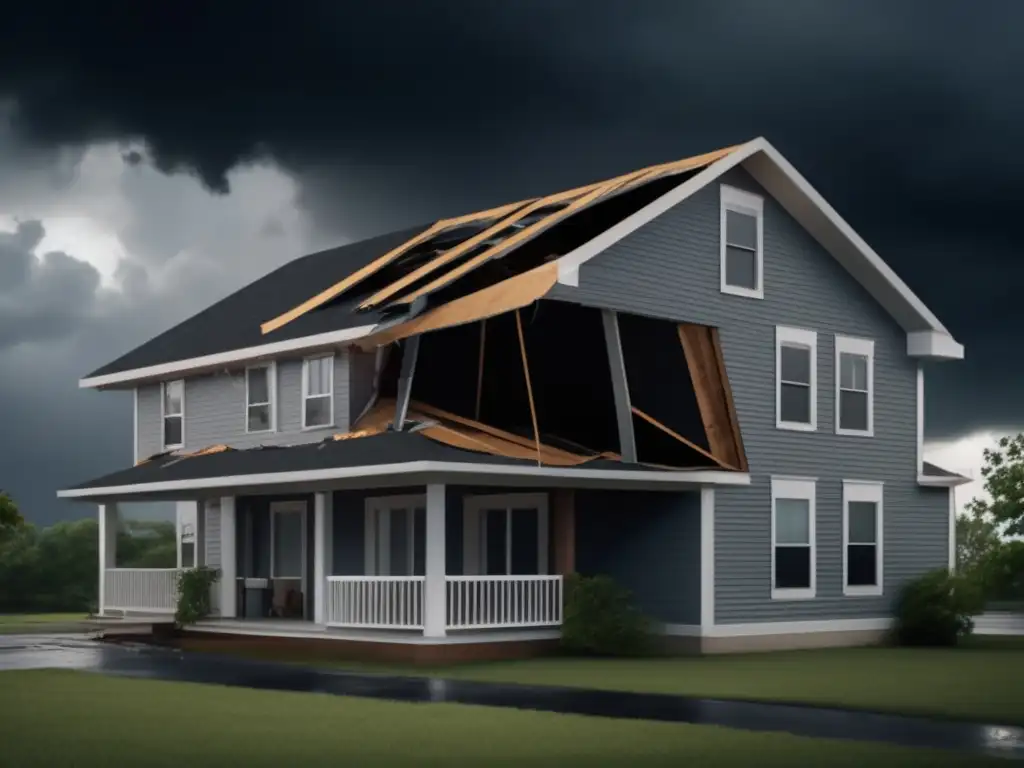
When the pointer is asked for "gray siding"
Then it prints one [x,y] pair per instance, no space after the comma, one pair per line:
[649,543]
[215,410]
[361,370]
[670,268]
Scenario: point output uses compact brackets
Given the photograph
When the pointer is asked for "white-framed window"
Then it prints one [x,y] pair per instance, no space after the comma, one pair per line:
[862,537]
[742,243]
[796,379]
[172,398]
[395,536]
[794,550]
[318,392]
[855,386]
[261,398]
[505,535]
[288,541]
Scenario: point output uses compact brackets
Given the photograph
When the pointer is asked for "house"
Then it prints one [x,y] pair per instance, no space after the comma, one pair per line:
[696,378]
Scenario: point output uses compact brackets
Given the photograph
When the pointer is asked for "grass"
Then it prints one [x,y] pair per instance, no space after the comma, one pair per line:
[21,623]
[58,718]
[981,682]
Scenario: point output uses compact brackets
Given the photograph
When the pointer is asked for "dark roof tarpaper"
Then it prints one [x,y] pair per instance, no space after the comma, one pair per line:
[933,470]
[234,322]
[387,448]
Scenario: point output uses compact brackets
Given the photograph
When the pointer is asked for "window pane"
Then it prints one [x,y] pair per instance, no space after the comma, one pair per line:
[420,542]
[792,521]
[259,385]
[318,411]
[313,377]
[795,403]
[741,229]
[740,268]
[862,519]
[325,376]
[793,567]
[795,364]
[853,409]
[287,545]
[259,418]
[172,430]
[172,397]
[860,565]
[525,529]
[853,371]
[398,547]
[494,543]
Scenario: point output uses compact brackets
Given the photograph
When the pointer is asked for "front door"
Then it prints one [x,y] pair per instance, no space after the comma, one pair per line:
[506,535]
[395,536]
[288,558]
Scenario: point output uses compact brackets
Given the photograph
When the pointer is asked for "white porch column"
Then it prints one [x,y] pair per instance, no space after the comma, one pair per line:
[177,532]
[434,614]
[707,558]
[201,533]
[107,548]
[228,568]
[323,550]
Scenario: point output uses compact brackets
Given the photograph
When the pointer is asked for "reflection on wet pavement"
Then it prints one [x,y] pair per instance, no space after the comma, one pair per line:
[80,652]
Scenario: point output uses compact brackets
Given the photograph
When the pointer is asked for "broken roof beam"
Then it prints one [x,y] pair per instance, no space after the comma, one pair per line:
[377,264]
[620,388]
[409,355]
[672,433]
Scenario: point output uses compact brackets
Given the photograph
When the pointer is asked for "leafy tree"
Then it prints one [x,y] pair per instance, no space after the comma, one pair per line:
[977,540]
[10,517]
[1004,482]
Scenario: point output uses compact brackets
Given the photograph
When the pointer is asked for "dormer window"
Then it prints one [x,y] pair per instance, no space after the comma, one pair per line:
[742,239]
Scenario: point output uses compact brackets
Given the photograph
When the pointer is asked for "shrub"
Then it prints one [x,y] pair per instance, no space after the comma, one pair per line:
[600,618]
[936,609]
[194,594]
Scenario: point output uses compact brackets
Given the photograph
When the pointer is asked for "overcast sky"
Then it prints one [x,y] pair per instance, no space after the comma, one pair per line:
[152,162]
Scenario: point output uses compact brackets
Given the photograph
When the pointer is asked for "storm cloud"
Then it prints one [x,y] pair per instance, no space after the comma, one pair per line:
[312,123]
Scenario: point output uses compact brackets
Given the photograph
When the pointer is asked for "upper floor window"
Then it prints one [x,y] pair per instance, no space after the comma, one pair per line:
[742,237]
[794,550]
[796,379]
[318,392]
[862,538]
[260,393]
[855,396]
[173,413]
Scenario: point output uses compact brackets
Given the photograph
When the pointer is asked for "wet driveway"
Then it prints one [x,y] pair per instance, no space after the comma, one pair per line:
[79,652]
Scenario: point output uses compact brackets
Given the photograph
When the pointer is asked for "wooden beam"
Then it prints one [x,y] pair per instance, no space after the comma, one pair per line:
[411,352]
[730,404]
[529,387]
[672,433]
[563,513]
[620,385]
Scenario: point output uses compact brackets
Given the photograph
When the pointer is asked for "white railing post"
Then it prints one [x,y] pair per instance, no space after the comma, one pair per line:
[228,555]
[435,619]
[494,602]
[322,551]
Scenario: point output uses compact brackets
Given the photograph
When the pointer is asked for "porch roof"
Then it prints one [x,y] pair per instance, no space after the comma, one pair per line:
[391,458]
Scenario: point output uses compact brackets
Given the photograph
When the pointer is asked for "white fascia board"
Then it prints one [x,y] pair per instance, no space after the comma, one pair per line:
[934,345]
[624,477]
[942,481]
[231,357]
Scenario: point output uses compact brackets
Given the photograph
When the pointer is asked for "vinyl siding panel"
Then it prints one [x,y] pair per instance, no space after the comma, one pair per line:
[670,269]
[215,410]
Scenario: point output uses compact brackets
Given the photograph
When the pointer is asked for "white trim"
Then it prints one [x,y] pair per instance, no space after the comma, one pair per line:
[228,557]
[952,529]
[934,345]
[323,551]
[738,201]
[475,550]
[802,488]
[222,359]
[942,481]
[707,557]
[289,508]
[164,415]
[766,628]
[377,532]
[874,492]
[920,420]
[329,394]
[786,336]
[135,425]
[605,477]
[435,585]
[271,368]
[785,184]
[863,348]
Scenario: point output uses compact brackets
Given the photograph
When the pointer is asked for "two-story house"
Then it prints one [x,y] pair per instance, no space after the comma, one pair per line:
[696,378]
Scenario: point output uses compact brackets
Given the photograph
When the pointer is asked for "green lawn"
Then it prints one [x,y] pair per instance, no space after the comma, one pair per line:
[59,718]
[982,682]
[21,623]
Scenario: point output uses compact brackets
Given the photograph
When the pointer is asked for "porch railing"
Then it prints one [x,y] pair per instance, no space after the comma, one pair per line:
[375,602]
[493,602]
[144,590]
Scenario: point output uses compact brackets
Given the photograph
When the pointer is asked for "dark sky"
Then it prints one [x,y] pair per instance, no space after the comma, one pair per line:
[364,117]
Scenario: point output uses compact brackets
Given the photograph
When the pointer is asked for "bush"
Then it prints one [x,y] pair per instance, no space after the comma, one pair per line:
[936,609]
[194,594]
[600,618]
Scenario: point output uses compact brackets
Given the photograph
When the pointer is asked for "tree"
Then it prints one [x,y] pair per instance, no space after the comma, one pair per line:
[1004,482]
[977,541]
[10,517]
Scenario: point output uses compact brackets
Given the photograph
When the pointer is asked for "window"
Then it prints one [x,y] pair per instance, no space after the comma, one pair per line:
[505,535]
[318,392]
[173,398]
[742,257]
[855,396]
[796,382]
[794,567]
[260,390]
[862,538]
[395,536]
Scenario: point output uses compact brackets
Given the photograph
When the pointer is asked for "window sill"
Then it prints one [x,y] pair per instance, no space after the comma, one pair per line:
[855,432]
[747,293]
[270,431]
[177,447]
[862,591]
[794,426]
[793,594]
[316,427]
